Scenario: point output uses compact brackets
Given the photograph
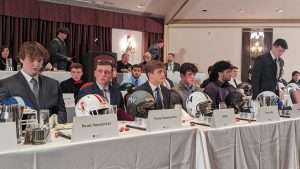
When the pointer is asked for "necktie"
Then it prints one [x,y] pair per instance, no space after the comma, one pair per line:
[35,88]
[105,94]
[136,83]
[158,100]
[235,83]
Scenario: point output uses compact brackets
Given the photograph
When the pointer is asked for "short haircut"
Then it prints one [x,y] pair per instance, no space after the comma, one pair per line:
[136,66]
[280,42]
[295,72]
[234,67]
[103,63]
[33,49]
[76,66]
[172,54]
[186,67]
[219,66]
[124,54]
[209,69]
[3,47]
[63,30]
[152,65]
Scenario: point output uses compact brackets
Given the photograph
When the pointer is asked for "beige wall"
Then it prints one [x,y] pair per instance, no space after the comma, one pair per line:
[292,55]
[205,46]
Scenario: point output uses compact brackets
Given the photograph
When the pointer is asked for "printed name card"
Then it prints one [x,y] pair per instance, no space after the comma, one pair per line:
[223,117]
[295,112]
[267,113]
[8,139]
[163,119]
[94,127]
[69,99]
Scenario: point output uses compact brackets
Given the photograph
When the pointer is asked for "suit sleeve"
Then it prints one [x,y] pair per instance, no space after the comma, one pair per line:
[4,92]
[256,77]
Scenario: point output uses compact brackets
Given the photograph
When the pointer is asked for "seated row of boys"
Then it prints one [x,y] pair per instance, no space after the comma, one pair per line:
[46,93]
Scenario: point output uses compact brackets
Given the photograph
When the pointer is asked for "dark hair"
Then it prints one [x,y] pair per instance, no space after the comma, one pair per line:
[234,67]
[295,72]
[76,66]
[219,66]
[103,63]
[3,47]
[209,69]
[136,66]
[185,67]
[280,42]
[63,30]
[124,54]
[152,65]
[33,49]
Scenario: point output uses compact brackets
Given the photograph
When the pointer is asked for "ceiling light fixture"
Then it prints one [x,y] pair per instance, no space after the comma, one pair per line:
[141,6]
[279,10]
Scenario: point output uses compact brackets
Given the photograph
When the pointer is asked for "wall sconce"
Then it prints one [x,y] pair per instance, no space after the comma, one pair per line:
[256,43]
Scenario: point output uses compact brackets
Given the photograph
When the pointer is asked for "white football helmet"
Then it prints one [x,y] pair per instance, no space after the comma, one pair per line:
[90,105]
[267,98]
[198,103]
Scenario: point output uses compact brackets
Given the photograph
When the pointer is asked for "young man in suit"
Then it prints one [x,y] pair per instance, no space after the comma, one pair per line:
[43,92]
[102,86]
[268,69]
[156,76]
[171,65]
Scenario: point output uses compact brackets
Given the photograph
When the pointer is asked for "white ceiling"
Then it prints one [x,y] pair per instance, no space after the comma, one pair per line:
[216,9]
[157,8]
[241,9]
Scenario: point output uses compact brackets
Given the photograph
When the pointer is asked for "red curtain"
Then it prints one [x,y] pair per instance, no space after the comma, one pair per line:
[24,20]
[14,31]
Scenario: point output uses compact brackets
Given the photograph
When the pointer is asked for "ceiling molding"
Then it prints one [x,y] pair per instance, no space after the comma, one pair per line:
[177,11]
[103,7]
[233,21]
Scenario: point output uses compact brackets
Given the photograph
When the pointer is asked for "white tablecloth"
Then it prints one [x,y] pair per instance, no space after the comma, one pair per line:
[59,76]
[159,150]
[272,145]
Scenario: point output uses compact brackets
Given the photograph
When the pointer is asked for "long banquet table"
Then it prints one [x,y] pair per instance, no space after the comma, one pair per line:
[134,150]
[270,145]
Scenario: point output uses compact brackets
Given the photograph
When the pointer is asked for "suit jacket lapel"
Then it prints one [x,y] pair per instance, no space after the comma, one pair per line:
[27,89]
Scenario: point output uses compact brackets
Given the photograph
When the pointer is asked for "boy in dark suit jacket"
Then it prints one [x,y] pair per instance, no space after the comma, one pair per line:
[156,76]
[102,86]
[43,92]
[268,68]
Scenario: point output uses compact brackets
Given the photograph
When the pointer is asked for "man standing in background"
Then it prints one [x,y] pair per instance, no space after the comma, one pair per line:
[58,50]
[155,50]
[171,65]
[268,68]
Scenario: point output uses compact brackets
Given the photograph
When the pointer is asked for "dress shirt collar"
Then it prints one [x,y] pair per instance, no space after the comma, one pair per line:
[28,77]
[153,87]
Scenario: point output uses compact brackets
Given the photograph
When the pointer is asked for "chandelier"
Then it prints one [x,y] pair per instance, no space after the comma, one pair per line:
[256,43]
